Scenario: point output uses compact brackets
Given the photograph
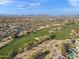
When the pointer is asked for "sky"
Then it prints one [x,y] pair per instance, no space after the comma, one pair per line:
[39,7]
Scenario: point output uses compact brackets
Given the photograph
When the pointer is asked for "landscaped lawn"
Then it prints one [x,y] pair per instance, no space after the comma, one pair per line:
[18,43]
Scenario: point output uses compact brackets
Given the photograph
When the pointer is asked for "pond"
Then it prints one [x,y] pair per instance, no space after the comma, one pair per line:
[71,55]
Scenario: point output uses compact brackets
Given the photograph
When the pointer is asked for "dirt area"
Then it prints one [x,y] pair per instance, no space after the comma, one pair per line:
[5,41]
[51,45]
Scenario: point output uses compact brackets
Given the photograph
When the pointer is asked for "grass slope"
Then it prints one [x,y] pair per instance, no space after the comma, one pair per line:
[18,43]
[64,33]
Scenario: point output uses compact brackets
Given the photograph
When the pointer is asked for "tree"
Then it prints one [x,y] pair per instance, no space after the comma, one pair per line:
[52,36]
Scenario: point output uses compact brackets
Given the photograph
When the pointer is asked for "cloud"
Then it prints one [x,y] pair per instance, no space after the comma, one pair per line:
[69,11]
[34,4]
[74,3]
[20,5]
[5,2]
[22,8]
[28,5]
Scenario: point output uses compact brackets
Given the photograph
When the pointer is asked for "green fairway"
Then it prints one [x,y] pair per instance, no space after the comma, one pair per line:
[18,43]
[64,33]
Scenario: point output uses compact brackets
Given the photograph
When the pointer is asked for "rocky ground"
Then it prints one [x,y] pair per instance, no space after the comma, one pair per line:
[77,47]
[54,46]
[51,45]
